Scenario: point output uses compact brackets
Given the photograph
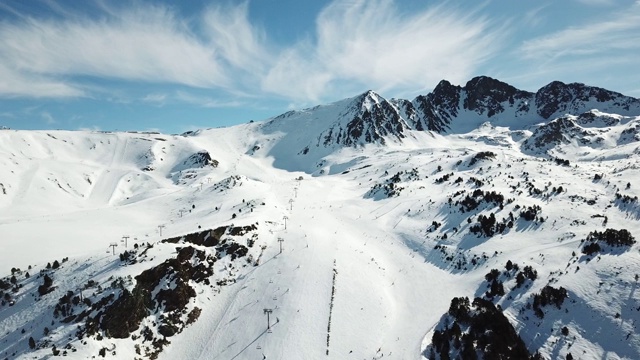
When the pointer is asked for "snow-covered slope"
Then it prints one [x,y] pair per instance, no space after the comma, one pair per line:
[237,243]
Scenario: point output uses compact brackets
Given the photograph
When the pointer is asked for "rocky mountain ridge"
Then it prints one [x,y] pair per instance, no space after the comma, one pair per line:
[371,119]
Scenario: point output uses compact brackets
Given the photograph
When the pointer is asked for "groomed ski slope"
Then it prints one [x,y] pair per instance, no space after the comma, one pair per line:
[381,288]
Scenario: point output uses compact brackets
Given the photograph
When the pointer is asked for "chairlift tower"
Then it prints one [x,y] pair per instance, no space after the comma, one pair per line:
[113,247]
[280,240]
[124,240]
[268,312]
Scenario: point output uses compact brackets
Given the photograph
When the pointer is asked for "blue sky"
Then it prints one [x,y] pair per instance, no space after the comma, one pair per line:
[143,65]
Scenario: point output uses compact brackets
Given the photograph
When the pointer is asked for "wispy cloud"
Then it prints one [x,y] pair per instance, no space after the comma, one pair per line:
[16,83]
[600,68]
[155,98]
[141,43]
[597,2]
[355,44]
[205,101]
[240,43]
[373,43]
[534,17]
[619,32]
[48,118]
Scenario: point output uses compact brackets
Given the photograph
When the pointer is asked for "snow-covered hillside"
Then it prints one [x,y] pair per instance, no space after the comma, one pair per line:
[345,231]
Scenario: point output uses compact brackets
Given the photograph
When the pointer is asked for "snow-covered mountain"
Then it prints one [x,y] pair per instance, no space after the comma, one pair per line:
[363,229]
[371,119]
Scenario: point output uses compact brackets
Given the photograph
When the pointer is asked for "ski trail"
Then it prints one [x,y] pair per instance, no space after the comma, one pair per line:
[108,180]
[25,184]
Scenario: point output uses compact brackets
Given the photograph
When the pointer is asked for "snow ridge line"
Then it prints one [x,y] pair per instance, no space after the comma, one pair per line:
[333,294]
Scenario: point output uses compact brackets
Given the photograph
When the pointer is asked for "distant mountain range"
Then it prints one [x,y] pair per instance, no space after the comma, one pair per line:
[370,118]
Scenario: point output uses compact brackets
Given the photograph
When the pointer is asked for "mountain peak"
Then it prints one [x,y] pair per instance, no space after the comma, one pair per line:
[369,119]
[558,98]
[484,81]
[370,93]
[488,94]
[368,99]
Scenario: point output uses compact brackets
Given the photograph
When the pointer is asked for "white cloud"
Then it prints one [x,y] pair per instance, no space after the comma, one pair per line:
[240,43]
[15,84]
[356,44]
[145,43]
[373,44]
[204,101]
[534,17]
[298,75]
[48,118]
[155,98]
[620,32]
[597,2]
